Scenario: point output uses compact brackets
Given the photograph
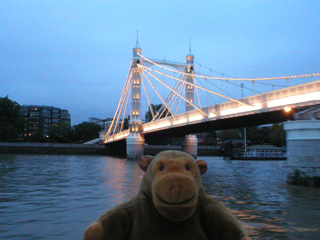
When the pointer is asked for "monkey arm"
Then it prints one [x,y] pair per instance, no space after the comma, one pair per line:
[219,222]
[114,224]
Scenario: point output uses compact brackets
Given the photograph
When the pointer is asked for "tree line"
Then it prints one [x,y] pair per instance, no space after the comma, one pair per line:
[12,124]
[269,134]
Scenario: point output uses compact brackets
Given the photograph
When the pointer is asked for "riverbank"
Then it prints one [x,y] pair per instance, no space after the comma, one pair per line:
[52,148]
[88,149]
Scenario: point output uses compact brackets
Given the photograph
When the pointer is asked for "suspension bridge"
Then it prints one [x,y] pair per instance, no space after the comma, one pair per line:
[193,102]
[189,102]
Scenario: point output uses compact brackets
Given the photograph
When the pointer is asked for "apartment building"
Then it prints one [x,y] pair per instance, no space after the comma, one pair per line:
[42,118]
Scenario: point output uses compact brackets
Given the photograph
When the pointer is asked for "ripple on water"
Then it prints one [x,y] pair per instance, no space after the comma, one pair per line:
[56,197]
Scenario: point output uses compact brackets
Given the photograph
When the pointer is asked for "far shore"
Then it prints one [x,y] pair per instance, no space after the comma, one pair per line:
[89,149]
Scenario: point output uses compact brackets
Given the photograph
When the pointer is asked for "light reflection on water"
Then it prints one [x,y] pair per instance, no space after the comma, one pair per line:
[57,196]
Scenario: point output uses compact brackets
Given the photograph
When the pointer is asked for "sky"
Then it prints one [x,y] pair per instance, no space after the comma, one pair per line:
[75,54]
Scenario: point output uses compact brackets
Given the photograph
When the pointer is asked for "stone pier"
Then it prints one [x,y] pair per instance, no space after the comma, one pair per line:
[190,145]
[135,146]
[303,152]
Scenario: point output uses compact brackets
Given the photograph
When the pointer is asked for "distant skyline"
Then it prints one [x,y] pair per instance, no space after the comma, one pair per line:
[75,54]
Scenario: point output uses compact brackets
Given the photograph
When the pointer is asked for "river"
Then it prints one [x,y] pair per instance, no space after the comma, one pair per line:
[58,196]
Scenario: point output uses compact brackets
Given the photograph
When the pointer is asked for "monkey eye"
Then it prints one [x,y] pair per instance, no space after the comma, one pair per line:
[161,167]
[187,167]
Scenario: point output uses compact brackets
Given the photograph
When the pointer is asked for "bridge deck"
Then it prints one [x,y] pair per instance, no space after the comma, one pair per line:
[301,95]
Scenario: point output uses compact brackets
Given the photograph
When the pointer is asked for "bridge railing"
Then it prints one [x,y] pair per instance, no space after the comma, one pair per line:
[118,136]
[177,120]
[292,96]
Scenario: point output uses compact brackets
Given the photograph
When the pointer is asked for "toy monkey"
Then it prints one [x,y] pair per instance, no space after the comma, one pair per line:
[171,204]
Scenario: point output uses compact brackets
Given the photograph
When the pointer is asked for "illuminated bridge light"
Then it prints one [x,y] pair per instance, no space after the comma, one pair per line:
[211,115]
[180,121]
[287,109]
[294,99]
[195,118]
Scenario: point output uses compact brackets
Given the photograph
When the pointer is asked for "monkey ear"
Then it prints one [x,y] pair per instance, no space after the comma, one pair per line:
[203,167]
[144,162]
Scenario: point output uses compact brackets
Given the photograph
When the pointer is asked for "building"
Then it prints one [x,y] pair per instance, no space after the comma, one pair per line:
[40,119]
[106,123]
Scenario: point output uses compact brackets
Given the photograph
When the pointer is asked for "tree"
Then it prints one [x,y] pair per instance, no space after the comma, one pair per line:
[230,134]
[11,121]
[258,135]
[86,131]
[277,135]
[60,133]
[126,123]
[155,108]
[38,137]
[209,138]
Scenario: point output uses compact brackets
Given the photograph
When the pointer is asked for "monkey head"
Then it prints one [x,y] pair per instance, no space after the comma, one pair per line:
[173,181]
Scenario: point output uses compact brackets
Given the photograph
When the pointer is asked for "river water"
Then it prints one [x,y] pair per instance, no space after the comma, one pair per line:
[58,196]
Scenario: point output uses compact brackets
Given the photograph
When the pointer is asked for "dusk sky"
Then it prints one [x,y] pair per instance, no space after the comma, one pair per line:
[75,54]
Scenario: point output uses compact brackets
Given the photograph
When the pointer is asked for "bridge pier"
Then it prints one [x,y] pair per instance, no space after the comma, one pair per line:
[135,146]
[190,145]
[303,152]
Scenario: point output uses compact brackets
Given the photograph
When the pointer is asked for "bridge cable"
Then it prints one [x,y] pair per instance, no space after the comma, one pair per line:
[125,110]
[233,79]
[112,122]
[208,94]
[182,86]
[211,70]
[202,88]
[197,95]
[128,90]
[173,90]
[180,89]
[155,89]
[227,93]
[149,103]
[170,99]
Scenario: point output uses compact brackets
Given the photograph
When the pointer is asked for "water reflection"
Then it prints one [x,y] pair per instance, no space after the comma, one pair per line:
[56,197]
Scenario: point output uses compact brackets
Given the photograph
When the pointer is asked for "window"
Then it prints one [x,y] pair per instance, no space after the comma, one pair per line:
[34,114]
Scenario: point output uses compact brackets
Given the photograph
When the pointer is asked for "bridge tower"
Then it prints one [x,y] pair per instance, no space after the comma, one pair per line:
[135,142]
[190,143]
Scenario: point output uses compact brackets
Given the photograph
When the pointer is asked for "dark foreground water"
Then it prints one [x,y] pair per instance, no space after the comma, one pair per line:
[57,197]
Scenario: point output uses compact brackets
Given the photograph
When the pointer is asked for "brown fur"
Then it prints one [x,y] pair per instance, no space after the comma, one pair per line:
[171,204]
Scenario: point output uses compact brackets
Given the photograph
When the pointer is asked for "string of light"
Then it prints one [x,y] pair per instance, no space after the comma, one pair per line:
[169,99]
[124,92]
[173,97]
[198,98]
[149,103]
[127,94]
[153,87]
[175,92]
[125,110]
[233,79]
[202,88]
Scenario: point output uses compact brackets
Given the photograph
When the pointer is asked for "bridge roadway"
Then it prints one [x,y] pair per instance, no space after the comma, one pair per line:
[261,109]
